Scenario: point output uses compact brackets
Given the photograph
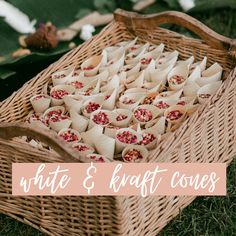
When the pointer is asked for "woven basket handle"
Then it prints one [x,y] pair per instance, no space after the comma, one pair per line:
[133,20]
[11,130]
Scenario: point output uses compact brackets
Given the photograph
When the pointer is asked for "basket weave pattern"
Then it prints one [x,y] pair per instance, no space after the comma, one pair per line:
[209,135]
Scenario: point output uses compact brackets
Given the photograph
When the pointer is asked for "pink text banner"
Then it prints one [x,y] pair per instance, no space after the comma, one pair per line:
[142,179]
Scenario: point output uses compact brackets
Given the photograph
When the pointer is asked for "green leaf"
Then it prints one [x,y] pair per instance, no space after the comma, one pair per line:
[83,12]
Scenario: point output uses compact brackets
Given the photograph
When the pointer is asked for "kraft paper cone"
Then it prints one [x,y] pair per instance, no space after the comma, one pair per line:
[79,123]
[180,70]
[83,153]
[143,151]
[68,88]
[57,76]
[105,146]
[40,102]
[75,132]
[207,91]
[122,122]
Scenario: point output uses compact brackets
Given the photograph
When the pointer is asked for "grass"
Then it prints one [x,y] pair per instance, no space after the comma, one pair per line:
[208,216]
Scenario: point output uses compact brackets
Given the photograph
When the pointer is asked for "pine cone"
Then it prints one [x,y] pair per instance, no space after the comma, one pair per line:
[44,38]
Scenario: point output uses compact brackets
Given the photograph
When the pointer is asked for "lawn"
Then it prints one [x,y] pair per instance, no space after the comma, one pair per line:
[206,215]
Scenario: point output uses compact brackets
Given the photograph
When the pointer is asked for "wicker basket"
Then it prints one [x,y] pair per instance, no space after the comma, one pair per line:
[209,135]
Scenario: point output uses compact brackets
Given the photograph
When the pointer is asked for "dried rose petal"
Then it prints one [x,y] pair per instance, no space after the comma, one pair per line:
[58,118]
[58,76]
[147,138]
[148,100]
[132,155]
[126,100]
[162,105]
[69,136]
[97,159]
[121,117]
[59,94]
[101,118]
[145,61]
[182,103]
[174,115]
[127,137]
[81,148]
[39,97]
[77,84]
[143,115]
[204,96]
[88,67]
[91,107]
[107,96]
[177,79]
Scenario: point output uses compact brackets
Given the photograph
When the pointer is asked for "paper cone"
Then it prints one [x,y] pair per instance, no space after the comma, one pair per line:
[56,110]
[96,158]
[142,91]
[70,135]
[123,117]
[130,101]
[180,109]
[164,103]
[190,89]
[91,65]
[195,75]
[157,125]
[167,59]
[101,117]
[62,122]
[111,130]
[61,77]
[90,137]
[105,146]
[145,113]
[120,145]
[170,94]
[84,149]
[59,101]
[135,81]
[188,62]
[73,102]
[79,122]
[40,102]
[114,52]
[109,103]
[131,69]
[132,149]
[92,105]
[181,71]
[201,64]
[113,83]
[207,91]
[128,44]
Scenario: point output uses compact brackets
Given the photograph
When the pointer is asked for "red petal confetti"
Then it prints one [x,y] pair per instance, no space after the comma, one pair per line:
[91,107]
[59,94]
[147,138]
[143,115]
[101,118]
[127,137]
[81,148]
[145,61]
[177,79]
[121,117]
[69,136]
[88,67]
[162,105]
[174,115]
[77,84]
[132,155]
[128,101]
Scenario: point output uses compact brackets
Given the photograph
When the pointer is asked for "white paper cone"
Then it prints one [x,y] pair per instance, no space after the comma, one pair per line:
[83,153]
[90,137]
[157,126]
[91,65]
[61,77]
[114,83]
[76,133]
[190,89]
[40,103]
[207,91]
[136,98]
[73,102]
[79,122]
[143,151]
[137,80]
[175,108]
[131,69]
[201,64]
[57,102]
[110,102]
[119,121]
[105,146]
